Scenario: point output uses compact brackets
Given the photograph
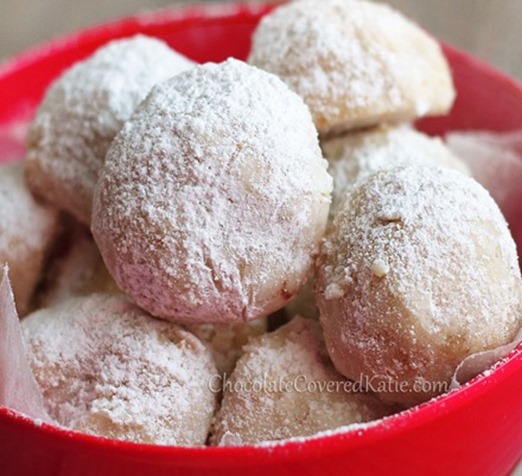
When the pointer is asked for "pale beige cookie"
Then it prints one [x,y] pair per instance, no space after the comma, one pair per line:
[214,196]
[226,341]
[357,155]
[27,231]
[355,63]
[418,271]
[285,386]
[76,269]
[107,368]
[82,112]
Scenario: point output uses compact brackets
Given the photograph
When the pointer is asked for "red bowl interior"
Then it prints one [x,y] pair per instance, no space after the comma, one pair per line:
[474,430]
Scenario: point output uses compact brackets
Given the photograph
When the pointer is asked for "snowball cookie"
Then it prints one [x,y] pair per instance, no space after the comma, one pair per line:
[75,269]
[226,341]
[27,231]
[107,368]
[214,196]
[285,386]
[355,63]
[417,272]
[83,111]
[357,155]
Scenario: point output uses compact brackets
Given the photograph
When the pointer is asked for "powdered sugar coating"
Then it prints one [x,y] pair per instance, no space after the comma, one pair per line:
[279,390]
[27,231]
[82,112]
[107,368]
[355,63]
[357,155]
[418,271]
[214,196]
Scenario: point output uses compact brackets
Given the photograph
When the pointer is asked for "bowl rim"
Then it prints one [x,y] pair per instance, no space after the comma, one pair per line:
[323,444]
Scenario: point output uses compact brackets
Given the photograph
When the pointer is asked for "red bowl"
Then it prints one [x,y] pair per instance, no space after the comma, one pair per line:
[474,430]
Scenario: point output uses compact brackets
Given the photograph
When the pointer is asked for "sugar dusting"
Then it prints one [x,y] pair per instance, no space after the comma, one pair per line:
[414,206]
[355,427]
[107,368]
[353,61]
[214,196]
[83,111]
[358,155]
[453,285]
[320,48]
[299,391]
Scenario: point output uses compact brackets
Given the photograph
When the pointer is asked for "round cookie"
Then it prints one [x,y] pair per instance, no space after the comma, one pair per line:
[107,368]
[28,230]
[214,196]
[285,386]
[360,154]
[417,272]
[82,112]
[355,63]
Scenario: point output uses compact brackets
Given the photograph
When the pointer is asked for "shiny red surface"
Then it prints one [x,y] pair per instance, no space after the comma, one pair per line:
[476,430]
